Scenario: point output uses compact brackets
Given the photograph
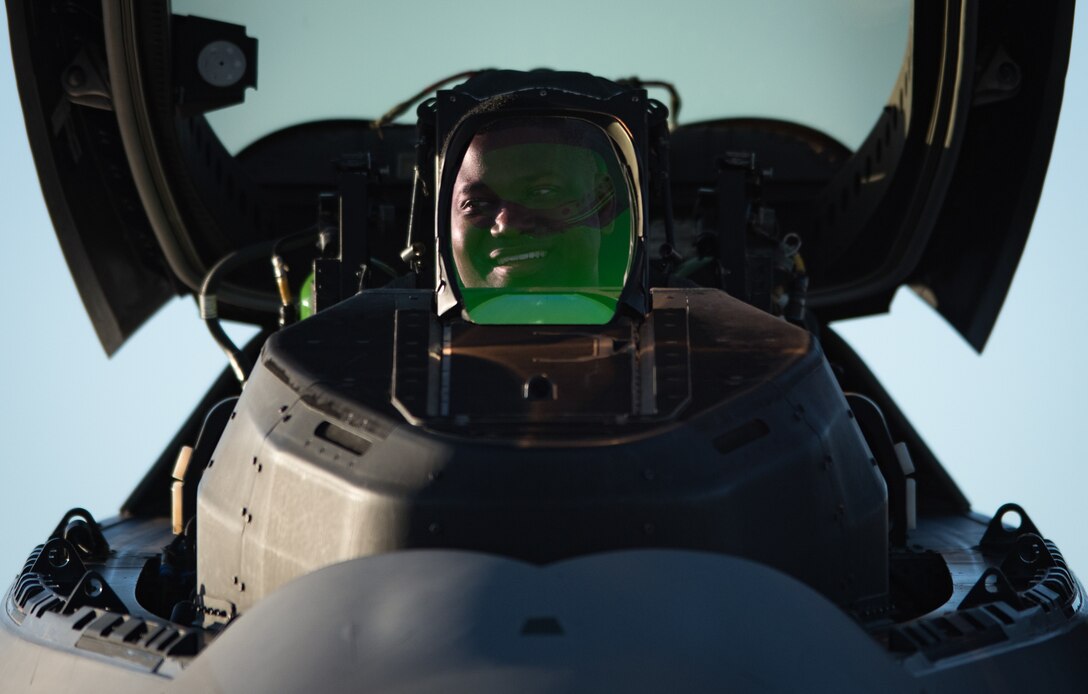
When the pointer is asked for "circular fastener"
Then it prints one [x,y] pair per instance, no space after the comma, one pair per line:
[94,587]
[58,557]
[1008,74]
[221,63]
[75,77]
[1030,552]
[538,387]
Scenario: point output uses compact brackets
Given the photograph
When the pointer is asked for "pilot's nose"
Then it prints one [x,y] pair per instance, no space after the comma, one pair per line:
[504,223]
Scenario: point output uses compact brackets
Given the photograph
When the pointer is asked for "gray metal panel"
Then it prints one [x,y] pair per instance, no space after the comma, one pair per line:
[643,621]
[226,487]
[31,666]
[770,466]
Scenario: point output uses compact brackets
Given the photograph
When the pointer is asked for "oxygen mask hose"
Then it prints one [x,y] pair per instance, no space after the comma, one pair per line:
[208,303]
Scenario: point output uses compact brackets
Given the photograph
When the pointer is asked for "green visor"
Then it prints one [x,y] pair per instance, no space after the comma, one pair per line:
[541,227]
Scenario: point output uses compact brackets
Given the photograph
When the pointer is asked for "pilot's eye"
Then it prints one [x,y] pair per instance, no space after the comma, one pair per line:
[541,195]
[474,206]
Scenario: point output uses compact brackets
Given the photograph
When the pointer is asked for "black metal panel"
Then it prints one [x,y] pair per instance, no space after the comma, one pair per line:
[542,374]
[987,214]
[982,89]
[877,213]
[99,221]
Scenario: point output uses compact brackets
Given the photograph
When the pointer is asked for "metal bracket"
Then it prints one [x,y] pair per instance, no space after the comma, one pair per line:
[992,586]
[86,81]
[93,591]
[999,81]
[999,537]
[79,528]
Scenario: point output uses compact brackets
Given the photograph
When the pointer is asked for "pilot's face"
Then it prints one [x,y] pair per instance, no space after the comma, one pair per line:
[527,212]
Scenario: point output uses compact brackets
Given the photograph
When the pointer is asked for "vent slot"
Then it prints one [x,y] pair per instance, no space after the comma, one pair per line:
[741,436]
[342,437]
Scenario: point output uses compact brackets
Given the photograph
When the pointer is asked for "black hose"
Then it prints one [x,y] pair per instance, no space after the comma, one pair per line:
[209,305]
[403,106]
[295,240]
[674,94]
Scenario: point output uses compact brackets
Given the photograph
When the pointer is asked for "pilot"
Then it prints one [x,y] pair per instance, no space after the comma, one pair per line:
[532,201]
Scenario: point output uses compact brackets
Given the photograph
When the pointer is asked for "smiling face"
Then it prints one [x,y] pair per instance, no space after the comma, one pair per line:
[530,204]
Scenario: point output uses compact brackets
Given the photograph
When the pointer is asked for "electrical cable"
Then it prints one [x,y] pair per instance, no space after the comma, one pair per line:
[674,95]
[403,106]
[207,301]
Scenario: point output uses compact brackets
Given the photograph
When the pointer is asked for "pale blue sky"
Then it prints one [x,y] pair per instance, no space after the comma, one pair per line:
[836,70]
[79,429]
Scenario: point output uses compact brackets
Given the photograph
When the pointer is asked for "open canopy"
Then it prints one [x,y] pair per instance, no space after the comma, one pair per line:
[938,191]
